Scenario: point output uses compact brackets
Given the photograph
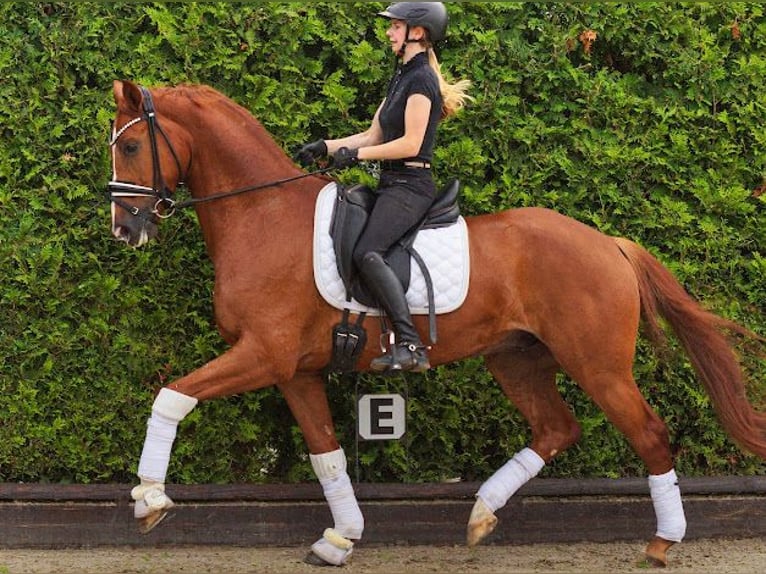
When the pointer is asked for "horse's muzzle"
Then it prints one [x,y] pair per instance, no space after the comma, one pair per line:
[135,233]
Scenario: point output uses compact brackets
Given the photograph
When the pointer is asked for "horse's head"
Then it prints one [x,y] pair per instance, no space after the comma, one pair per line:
[147,155]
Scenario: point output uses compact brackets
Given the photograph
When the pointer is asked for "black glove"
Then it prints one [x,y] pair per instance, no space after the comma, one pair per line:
[345,157]
[310,152]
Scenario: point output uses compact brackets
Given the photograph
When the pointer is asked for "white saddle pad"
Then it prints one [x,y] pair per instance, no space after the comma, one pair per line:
[444,250]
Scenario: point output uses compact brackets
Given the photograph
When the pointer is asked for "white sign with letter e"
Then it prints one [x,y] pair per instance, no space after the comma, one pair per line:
[381,417]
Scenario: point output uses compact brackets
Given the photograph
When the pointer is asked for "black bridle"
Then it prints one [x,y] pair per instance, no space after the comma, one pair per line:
[164,205]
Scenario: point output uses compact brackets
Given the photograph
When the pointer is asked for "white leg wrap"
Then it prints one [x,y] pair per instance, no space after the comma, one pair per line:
[524,466]
[330,469]
[666,497]
[173,405]
[170,408]
[160,434]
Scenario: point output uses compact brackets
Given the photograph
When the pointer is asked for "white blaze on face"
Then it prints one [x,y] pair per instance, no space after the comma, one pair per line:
[116,230]
[114,178]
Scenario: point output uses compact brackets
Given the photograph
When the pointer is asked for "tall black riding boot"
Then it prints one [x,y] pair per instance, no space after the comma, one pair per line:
[408,353]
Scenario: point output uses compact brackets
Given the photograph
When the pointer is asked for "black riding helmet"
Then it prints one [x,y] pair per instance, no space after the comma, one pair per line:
[430,15]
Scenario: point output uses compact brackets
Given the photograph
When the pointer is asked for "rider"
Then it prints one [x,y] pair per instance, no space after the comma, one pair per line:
[401,137]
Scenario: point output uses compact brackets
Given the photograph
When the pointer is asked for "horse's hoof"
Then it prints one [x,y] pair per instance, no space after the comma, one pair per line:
[151,505]
[657,552]
[480,524]
[333,549]
[148,522]
[315,560]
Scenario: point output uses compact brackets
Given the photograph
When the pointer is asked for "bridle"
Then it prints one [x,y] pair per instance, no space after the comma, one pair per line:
[164,205]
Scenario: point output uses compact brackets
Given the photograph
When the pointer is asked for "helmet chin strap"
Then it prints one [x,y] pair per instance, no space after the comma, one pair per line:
[400,53]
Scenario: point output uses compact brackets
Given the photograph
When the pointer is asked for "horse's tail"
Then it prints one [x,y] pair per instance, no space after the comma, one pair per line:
[701,334]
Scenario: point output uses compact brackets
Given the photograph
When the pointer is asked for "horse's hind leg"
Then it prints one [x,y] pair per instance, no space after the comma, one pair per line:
[619,397]
[528,379]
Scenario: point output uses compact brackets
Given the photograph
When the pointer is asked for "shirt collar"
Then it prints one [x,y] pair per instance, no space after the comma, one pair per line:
[419,59]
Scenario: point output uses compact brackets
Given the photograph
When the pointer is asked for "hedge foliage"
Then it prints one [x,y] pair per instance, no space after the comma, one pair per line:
[641,119]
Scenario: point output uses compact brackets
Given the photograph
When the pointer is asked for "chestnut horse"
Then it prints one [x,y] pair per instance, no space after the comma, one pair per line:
[547,294]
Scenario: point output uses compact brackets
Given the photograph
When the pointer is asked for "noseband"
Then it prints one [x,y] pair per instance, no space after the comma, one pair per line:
[164,207]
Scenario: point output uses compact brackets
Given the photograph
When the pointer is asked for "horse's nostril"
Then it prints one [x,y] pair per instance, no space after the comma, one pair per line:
[122,233]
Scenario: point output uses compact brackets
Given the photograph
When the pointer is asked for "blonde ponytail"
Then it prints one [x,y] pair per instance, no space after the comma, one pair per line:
[454,95]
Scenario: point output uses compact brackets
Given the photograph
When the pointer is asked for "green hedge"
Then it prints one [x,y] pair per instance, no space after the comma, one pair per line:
[654,131]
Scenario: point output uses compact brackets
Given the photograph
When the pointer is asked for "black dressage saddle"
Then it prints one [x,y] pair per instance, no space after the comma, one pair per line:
[352,209]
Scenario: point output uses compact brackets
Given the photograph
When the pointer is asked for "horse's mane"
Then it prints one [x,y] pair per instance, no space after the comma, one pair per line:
[203,96]
[206,98]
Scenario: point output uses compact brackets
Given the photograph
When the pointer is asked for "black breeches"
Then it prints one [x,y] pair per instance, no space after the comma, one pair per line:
[401,203]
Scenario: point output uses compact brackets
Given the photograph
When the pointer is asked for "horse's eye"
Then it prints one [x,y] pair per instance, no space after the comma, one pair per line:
[130,147]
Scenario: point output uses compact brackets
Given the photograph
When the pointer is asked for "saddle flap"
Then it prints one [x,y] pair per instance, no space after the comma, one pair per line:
[352,207]
[360,195]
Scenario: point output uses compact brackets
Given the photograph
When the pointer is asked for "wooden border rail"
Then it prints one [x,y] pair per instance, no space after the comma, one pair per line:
[544,510]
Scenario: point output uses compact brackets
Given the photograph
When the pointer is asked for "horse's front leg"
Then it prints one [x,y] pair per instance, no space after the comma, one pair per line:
[151,503]
[307,399]
[233,372]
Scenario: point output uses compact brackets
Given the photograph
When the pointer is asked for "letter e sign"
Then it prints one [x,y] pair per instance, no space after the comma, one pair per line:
[381,417]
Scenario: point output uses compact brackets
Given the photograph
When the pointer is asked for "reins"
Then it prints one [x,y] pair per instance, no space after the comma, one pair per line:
[240,191]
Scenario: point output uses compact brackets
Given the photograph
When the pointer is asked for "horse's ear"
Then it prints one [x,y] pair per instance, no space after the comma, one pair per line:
[127,95]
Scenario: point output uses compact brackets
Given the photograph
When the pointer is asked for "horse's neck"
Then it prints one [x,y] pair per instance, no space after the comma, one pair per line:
[235,152]
[251,231]
[231,151]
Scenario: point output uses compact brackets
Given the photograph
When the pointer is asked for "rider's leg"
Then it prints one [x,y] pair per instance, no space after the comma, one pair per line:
[398,208]
[409,353]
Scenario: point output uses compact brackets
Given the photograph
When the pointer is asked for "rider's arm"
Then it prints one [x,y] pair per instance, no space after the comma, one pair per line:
[416,117]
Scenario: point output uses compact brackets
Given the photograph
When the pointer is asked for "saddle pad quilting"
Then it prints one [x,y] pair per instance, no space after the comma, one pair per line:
[445,251]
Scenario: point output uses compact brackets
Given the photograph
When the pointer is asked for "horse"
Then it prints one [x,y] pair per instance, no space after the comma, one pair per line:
[547,294]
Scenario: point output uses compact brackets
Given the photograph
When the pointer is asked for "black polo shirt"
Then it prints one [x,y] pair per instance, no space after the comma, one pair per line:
[414,77]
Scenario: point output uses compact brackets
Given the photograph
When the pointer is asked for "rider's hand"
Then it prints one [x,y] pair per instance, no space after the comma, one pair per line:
[345,157]
[310,152]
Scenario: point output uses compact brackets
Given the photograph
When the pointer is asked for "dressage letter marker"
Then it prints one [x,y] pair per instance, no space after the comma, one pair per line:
[381,417]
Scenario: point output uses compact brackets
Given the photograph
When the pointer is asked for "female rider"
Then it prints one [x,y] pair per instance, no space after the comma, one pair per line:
[402,137]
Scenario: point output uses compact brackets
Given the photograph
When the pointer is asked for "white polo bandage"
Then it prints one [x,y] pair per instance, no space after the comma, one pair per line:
[524,466]
[169,408]
[173,405]
[330,468]
[666,497]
